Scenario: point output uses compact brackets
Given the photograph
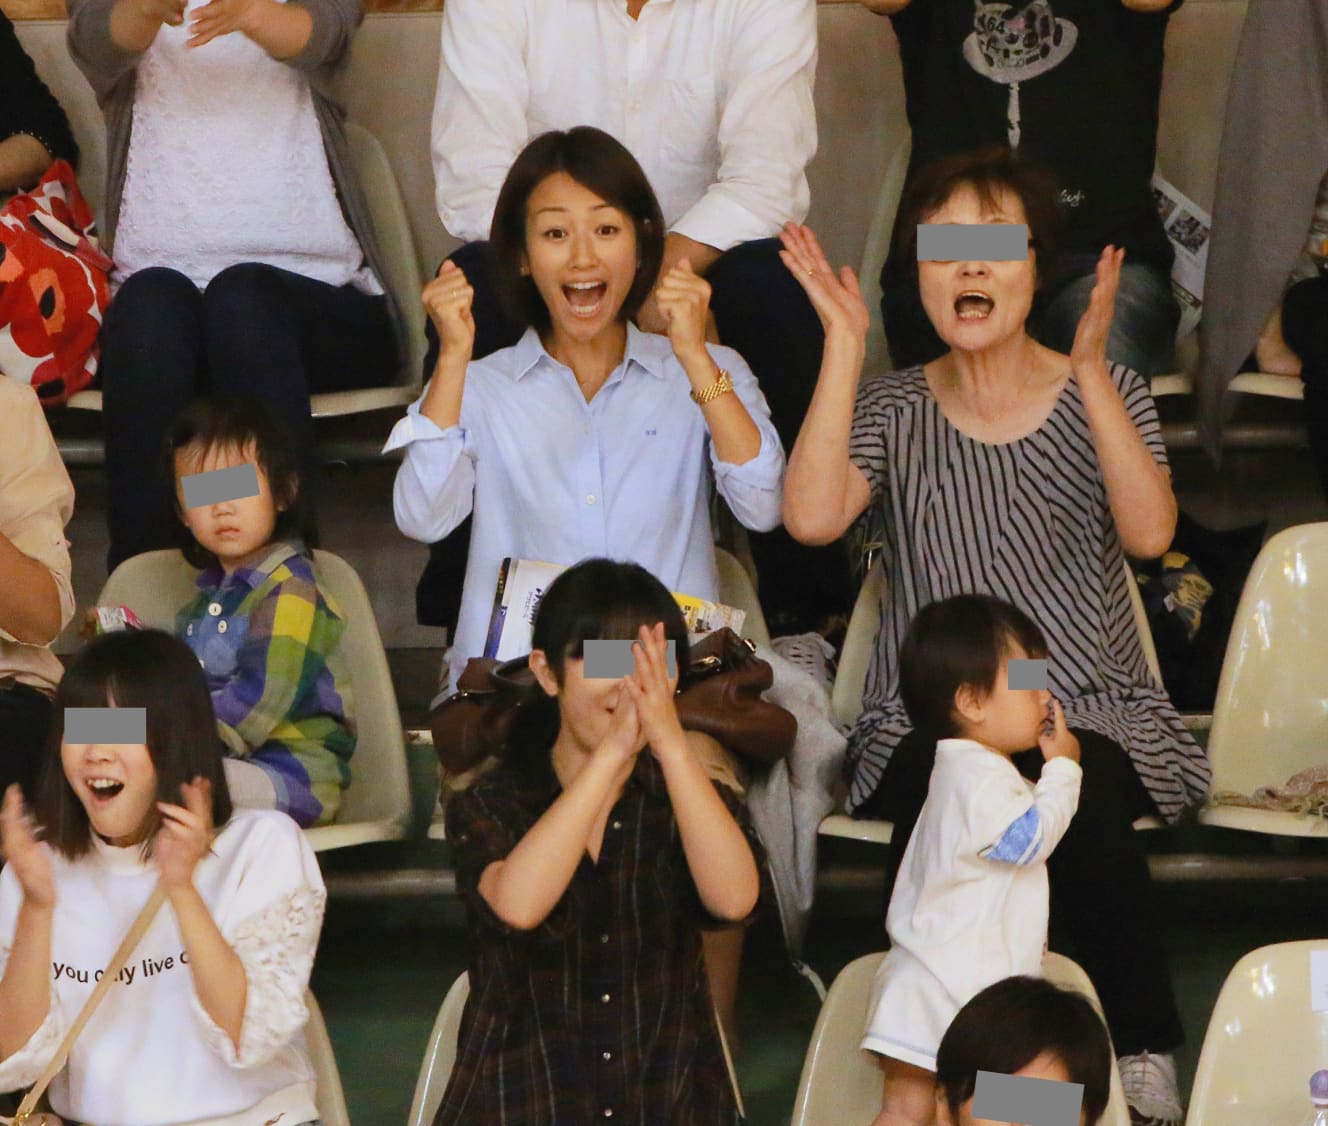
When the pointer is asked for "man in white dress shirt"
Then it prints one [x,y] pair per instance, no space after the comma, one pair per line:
[714,99]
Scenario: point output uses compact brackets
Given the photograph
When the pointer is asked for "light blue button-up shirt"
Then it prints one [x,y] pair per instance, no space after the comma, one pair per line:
[555,478]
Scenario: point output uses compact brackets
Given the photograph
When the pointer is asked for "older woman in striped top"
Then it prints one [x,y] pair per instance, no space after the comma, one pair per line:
[1010,469]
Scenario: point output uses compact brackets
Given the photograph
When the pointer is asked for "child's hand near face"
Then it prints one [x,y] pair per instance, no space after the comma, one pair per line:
[1057,741]
[625,738]
[652,690]
[185,836]
[23,852]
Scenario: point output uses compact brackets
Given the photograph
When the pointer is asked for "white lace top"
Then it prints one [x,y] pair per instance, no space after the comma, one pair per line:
[226,165]
[150,1056]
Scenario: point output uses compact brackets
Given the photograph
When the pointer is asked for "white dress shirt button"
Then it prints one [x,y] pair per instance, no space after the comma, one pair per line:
[214,608]
[606,998]
[221,626]
[591,498]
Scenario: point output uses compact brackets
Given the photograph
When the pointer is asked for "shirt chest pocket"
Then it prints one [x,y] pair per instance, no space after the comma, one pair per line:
[219,646]
[690,130]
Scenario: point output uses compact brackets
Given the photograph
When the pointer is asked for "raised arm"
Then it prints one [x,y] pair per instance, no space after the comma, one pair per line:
[25,989]
[250,979]
[718,854]
[435,486]
[824,491]
[479,112]
[1138,488]
[524,887]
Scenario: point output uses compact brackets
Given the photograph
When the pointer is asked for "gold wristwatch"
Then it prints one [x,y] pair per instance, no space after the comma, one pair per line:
[722,386]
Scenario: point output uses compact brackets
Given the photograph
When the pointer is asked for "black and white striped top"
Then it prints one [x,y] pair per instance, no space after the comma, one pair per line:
[1027,521]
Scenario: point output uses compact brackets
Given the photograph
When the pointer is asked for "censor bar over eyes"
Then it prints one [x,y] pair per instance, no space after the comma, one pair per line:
[106,725]
[217,486]
[972,242]
[1024,1098]
[607,659]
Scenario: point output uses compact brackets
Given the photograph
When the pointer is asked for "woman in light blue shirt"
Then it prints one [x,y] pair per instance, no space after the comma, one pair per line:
[588,437]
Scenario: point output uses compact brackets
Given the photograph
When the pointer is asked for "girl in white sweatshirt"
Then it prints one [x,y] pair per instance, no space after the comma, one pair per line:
[205,1024]
[970,904]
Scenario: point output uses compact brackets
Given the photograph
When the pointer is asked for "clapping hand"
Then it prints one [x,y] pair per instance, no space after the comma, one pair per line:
[1089,351]
[26,855]
[185,835]
[651,689]
[449,300]
[837,298]
[683,298]
[221,17]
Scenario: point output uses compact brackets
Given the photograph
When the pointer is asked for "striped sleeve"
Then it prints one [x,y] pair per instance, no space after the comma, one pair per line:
[867,438]
[1142,410]
[1027,835]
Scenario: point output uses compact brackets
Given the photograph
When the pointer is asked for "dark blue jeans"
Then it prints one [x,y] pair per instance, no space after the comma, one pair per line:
[257,330]
[762,313]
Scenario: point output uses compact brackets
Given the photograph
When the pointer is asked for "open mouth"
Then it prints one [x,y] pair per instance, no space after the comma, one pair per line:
[974,305]
[585,298]
[104,789]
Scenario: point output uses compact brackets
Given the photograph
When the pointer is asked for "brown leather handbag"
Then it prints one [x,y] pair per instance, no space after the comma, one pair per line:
[719,694]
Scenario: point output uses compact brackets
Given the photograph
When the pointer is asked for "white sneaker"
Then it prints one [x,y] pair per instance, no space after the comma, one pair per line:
[1150,1089]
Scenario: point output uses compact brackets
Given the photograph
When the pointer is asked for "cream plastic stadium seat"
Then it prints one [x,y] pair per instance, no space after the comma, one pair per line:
[1271,716]
[329,1096]
[841,1082]
[440,1055]
[736,589]
[376,805]
[403,282]
[1264,1041]
[851,680]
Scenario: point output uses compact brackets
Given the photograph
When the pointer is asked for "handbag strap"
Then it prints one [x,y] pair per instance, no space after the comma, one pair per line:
[136,932]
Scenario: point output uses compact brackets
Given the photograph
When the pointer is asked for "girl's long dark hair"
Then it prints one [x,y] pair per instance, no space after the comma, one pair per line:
[135,669]
[598,599]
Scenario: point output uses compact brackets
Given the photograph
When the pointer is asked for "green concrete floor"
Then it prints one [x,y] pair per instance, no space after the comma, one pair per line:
[383,969]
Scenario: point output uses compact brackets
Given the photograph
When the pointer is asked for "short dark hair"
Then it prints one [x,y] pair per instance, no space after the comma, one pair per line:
[598,599]
[989,171]
[135,669]
[1008,1025]
[956,642]
[235,423]
[599,163]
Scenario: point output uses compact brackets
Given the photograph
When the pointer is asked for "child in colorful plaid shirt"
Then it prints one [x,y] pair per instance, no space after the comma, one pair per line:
[265,634]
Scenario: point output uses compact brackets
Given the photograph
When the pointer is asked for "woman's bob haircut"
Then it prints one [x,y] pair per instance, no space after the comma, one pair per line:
[991,172]
[597,600]
[135,669]
[1008,1025]
[598,163]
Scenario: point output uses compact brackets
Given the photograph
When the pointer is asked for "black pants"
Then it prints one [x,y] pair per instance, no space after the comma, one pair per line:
[256,329]
[1102,913]
[25,714]
[1305,329]
[762,313]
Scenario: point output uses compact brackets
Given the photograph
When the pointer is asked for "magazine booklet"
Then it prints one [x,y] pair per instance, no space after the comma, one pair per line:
[522,583]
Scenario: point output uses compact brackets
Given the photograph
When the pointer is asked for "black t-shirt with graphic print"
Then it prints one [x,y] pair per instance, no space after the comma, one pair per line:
[1072,84]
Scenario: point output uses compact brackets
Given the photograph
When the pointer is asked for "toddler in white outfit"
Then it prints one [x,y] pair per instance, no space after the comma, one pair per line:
[970,903]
